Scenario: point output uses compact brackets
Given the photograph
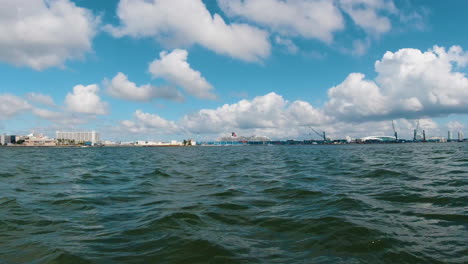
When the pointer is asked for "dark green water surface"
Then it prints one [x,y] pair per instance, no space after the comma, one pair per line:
[405,203]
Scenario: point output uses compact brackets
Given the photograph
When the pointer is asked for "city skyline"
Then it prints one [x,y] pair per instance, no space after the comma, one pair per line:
[166,70]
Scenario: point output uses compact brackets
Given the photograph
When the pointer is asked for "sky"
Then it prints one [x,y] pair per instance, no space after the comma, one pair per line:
[179,69]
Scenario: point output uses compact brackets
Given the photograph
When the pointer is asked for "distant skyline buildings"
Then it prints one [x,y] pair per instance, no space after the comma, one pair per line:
[164,69]
[93,138]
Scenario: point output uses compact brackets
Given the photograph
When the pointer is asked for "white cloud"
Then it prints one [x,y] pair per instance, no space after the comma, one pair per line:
[174,68]
[287,43]
[455,126]
[62,119]
[11,105]
[121,87]
[146,123]
[360,46]
[409,84]
[266,112]
[44,33]
[356,97]
[187,22]
[273,116]
[370,14]
[454,54]
[317,19]
[85,99]
[428,124]
[40,99]
[320,19]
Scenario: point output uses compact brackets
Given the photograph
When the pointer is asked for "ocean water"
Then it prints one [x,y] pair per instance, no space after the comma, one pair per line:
[405,203]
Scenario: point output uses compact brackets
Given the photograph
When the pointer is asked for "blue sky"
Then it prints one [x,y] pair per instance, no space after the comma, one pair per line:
[161,69]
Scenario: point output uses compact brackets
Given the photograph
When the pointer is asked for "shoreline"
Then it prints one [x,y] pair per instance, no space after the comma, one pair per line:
[232,145]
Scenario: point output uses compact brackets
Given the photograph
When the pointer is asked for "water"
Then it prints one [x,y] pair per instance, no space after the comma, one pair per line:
[405,203]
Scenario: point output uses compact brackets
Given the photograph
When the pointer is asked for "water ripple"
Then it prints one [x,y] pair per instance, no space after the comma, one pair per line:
[403,203]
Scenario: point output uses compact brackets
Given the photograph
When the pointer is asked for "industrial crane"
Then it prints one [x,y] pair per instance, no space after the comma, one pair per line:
[320,135]
[394,131]
[415,133]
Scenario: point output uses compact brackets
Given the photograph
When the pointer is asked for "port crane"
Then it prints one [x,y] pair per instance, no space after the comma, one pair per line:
[394,131]
[322,135]
[415,132]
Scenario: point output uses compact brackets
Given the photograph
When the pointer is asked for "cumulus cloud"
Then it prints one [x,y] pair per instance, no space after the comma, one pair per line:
[455,126]
[356,97]
[269,115]
[316,19]
[270,111]
[370,15]
[455,54]
[121,87]
[44,33]
[360,46]
[85,100]
[287,43]
[188,22]
[273,116]
[39,98]
[11,105]
[321,19]
[146,122]
[409,84]
[174,68]
[62,119]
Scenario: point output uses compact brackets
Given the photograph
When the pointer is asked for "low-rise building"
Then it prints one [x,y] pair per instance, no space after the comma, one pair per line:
[40,142]
[437,139]
[377,139]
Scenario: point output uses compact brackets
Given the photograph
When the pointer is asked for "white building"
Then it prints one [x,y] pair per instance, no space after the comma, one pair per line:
[379,138]
[79,137]
[460,136]
[8,139]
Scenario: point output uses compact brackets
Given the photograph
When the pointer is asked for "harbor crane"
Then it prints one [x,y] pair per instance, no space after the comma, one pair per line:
[319,134]
[394,131]
[415,132]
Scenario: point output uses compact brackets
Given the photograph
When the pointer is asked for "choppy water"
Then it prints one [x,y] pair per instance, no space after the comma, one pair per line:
[404,203]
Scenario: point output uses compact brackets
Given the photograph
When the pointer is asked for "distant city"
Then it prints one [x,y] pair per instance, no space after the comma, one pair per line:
[93,139]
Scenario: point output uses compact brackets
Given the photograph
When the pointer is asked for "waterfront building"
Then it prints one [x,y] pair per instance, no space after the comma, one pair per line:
[437,139]
[175,143]
[379,139]
[40,142]
[78,137]
[449,136]
[460,136]
[109,143]
[235,138]
[7,139]
[147,143]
